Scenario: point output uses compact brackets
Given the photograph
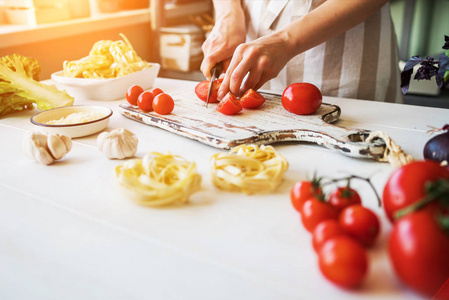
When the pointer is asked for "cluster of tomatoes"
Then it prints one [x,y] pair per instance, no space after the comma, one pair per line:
[416,201]
[154,99]
[298,98]
[341,227]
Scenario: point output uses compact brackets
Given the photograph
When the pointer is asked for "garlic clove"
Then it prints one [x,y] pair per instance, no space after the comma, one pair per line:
[41,155]
[44,148]
[67,142]
[118,143]
[57,146]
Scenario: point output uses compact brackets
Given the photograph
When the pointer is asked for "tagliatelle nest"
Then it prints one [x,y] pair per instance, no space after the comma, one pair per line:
[248,168]
[158,179]
[106,59]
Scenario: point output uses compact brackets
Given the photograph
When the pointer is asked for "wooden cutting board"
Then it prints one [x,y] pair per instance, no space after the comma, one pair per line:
[269,124]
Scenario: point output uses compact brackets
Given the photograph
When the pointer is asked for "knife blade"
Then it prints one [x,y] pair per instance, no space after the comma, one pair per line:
[216,71]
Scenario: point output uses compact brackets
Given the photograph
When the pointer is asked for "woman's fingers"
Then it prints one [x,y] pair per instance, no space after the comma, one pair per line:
[245,71]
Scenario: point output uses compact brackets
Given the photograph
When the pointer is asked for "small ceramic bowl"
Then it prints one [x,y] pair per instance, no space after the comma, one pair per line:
[105,89]
[73,130]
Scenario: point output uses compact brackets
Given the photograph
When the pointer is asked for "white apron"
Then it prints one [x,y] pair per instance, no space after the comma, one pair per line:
[348,65]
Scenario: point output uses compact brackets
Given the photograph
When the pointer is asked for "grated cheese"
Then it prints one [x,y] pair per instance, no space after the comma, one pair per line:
[78,117]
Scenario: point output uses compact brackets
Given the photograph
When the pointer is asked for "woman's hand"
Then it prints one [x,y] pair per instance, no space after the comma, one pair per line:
[258,61]
[229,31]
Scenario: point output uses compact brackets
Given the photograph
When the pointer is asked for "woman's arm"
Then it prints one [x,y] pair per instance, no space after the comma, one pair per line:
[263,58]
[229,31]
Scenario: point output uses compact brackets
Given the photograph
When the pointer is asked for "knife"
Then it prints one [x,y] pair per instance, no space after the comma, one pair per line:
[216,71]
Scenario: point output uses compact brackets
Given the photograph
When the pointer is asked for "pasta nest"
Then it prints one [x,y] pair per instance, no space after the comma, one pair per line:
[248,168]
[158,179]
[106,59]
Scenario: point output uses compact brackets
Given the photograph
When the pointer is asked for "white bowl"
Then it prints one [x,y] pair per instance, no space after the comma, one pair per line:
[39,120]
[105,89]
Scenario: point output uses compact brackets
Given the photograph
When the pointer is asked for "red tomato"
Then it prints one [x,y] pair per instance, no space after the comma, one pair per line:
[324,231]
[163,104]
[302,98]
[145,101]
[406,185]
[361,223]
[202,89]
[252,99]
[303,190]
[133,93]
[229,105]
[418,250]
[314,211]
[156,91]
[343,261]
[343,197]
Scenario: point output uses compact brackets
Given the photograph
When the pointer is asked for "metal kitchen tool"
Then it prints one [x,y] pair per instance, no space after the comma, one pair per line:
[269,124]
[216,71]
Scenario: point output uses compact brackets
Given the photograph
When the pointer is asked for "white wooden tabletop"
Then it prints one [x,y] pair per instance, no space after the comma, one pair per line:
[67,233]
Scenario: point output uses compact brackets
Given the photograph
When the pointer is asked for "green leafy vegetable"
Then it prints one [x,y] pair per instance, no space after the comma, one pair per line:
[20,88]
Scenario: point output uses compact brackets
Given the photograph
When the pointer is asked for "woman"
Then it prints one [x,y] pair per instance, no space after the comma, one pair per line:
[346,48]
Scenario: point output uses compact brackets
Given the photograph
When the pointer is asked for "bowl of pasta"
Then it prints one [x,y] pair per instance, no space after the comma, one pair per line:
[106,73]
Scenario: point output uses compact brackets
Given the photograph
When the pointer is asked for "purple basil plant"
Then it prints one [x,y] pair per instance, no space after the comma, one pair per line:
[429,68]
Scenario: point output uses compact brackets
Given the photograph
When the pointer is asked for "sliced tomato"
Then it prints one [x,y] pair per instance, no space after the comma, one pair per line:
[230,105]
[252,99]
[202,89]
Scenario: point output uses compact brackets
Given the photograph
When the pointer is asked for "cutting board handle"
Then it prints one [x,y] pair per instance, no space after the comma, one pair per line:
[347,141]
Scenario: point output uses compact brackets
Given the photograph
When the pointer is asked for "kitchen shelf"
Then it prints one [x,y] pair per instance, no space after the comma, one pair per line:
[14,35]
[165,14]
[179,10]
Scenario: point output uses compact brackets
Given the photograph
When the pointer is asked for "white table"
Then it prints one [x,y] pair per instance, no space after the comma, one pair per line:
[67,233]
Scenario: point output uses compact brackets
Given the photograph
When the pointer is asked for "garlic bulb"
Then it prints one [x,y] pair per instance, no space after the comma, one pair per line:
[118,143]
[46,148]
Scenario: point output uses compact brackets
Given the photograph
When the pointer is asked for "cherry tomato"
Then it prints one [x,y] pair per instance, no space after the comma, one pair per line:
[202,89]
[156,91]
[133,93]
[302,98]
[343,197]
[324,231]
[145,101]
[361,223]
[418,249]
[406,185]
[343,261]
[314,211]
[252,99]
[229,105]
[303,190]
[163,104]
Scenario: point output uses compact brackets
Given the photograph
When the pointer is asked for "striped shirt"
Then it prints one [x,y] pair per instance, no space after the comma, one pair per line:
[361,63]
